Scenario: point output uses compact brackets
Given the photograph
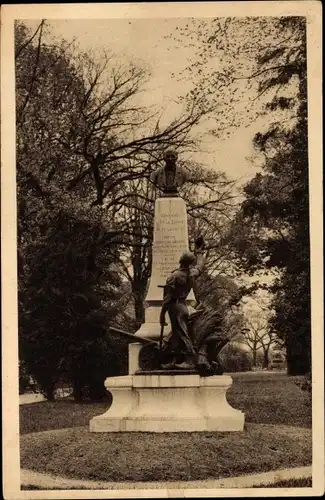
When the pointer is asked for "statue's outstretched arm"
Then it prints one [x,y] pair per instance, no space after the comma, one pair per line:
[199,252]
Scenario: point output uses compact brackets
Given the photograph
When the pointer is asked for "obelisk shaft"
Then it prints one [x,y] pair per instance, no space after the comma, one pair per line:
[170,240]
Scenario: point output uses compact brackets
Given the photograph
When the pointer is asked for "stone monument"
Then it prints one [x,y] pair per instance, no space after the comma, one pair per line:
[175,381]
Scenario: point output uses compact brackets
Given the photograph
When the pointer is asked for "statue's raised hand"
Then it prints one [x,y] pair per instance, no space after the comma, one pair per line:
[199,244]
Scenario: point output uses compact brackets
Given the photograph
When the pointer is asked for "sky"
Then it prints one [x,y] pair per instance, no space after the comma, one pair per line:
[148,42]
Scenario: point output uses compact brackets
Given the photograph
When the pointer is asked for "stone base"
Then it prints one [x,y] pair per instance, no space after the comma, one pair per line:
[168,403]
[151,328]
[174,371]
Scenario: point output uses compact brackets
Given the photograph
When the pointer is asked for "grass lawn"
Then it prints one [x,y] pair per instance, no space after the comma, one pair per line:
[270,399]
[56,439]
[183,456]
[59,414]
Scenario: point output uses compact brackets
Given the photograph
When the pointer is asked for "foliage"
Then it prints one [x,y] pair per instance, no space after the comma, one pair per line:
[225,66]
[67,295]
[277,202]
[235,359]
[25,380]
[82,146]
[211,200]
[95,138]
[261,63]
[306,385]
[257,334]
[220,295]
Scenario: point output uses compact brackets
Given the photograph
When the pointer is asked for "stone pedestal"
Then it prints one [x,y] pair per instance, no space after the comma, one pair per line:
[168,403]
[170,240]
[133,353]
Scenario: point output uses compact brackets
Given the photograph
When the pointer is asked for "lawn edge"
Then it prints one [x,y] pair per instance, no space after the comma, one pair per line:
[46,481]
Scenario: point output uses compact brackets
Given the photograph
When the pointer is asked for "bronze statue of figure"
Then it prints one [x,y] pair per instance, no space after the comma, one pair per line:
[170,177]
[208,335]
[177,288]
[195,340]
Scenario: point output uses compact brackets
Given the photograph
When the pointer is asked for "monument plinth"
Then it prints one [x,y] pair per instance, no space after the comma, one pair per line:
[168,403]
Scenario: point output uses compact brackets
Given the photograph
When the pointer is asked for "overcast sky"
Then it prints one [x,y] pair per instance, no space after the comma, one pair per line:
[148,41]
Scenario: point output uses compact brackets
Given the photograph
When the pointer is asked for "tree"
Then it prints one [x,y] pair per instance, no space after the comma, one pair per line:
[235,358]
[258,337]
[67,298]
[212,201]
[81,142]
[262,63]
[257,333]
[136,254]
[221,294]
[80,112]
[82,138]
[277,201]
[116,140]
[224,69]
[64,254]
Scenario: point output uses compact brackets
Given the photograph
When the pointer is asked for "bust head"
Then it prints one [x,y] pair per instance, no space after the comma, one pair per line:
[170,177]
[170,157]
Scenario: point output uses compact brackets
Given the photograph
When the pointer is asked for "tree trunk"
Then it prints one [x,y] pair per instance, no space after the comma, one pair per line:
[77,391]
[139,308]
[49,391]
[254,355]
[266,358]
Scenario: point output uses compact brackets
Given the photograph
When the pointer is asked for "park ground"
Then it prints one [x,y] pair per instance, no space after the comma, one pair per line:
[55,439]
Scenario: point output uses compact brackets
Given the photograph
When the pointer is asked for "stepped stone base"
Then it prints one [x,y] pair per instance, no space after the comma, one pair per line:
[147,402]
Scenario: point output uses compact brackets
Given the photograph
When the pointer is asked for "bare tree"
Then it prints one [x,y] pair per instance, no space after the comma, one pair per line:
[212,201]
[258,336]
[88,145]
[136,255]
[111,127]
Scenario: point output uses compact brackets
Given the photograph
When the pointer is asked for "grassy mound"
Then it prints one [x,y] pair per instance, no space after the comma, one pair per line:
[80,454]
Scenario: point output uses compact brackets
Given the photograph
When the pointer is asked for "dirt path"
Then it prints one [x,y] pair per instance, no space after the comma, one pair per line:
[46,481]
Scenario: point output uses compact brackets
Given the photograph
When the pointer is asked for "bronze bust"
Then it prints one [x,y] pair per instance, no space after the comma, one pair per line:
[170,177]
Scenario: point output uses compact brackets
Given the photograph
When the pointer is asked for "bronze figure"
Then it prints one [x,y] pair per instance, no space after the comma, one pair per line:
[171,176]
[177,288]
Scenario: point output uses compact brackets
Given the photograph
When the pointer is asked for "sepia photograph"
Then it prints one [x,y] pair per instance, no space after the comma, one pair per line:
[161,331]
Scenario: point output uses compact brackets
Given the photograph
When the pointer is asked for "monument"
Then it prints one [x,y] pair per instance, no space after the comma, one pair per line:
[175,381]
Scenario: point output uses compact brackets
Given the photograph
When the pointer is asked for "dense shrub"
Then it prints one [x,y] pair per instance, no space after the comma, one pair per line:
[305,385]
[235,359]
